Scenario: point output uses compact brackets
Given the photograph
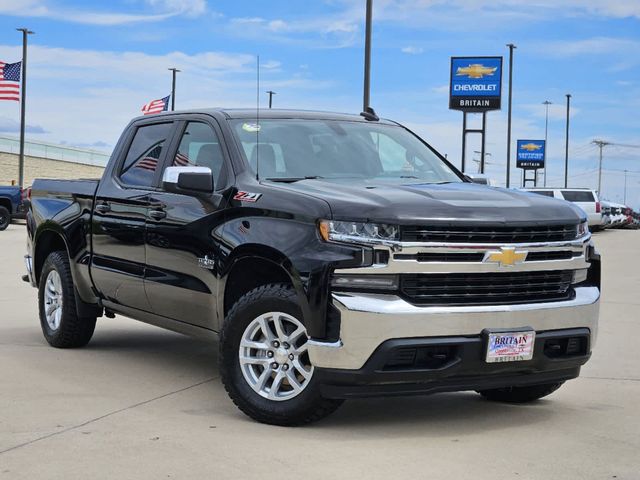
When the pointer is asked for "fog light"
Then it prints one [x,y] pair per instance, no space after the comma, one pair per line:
[365,282]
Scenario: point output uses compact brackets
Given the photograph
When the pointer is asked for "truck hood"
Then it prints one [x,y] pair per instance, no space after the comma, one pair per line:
[459,203]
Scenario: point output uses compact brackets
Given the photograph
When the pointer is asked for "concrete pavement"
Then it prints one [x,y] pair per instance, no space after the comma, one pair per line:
[142,403]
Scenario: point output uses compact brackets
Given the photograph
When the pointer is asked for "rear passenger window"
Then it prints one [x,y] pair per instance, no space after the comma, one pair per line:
[546,193]
[573,196]
[142,159]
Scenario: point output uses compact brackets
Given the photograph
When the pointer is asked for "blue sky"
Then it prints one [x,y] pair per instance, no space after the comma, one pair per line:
[94,64]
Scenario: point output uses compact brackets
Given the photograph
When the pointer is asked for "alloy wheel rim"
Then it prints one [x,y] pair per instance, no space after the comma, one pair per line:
[53,300]
[274,358]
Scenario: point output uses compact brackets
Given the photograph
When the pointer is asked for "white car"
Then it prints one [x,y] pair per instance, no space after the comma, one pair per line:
[585,198]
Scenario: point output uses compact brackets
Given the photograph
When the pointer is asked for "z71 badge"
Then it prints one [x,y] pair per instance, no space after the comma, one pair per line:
[247,196]
[206,262]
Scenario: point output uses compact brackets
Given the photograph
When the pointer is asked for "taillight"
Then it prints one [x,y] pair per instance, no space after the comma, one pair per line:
[597,207]
[29,193]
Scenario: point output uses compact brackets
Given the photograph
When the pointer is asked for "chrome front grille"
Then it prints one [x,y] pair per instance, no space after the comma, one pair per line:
[488,234]
[484,289]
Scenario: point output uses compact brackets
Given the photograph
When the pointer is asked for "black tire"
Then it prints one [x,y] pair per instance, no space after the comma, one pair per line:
[309,405]
[73,331]
[520,394]
[5,218]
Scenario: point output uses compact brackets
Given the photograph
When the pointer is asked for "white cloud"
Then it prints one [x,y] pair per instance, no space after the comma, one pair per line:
[162,10]
[590,46]
[87,96]
[411,50]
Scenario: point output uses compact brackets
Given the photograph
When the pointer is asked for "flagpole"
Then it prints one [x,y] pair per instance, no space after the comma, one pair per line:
[173,87]
[23,98]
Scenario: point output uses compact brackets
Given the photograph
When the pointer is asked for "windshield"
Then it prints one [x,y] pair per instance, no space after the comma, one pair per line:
[297,149]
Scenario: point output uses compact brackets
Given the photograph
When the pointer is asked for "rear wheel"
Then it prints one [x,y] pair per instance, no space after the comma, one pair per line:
[61,325]
[264,362]
[520,394]
[5,218]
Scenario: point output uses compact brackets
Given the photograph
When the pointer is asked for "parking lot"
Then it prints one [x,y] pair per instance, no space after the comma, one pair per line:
[140,402]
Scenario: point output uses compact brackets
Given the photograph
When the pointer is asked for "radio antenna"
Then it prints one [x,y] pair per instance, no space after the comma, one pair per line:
[257,117]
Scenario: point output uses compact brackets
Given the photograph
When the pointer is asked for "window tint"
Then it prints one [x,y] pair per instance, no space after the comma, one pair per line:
[141,163]
[546,193]
[578,196]
[200,147]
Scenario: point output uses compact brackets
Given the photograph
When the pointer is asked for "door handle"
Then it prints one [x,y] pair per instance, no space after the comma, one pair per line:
[157,214]
[103,207]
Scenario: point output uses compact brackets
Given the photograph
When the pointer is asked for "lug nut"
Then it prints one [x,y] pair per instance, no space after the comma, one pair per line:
[276,344]
[269,354]
[286,345]
[274,365]
[291,356]
[285,367]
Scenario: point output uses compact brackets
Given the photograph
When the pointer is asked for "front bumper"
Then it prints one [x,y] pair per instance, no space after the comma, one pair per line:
[369,320]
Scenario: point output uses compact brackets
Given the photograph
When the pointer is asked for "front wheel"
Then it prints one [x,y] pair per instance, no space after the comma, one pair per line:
[520,394]
[264,362]
[61,325]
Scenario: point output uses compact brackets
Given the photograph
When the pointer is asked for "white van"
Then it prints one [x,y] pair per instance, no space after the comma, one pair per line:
[583,197]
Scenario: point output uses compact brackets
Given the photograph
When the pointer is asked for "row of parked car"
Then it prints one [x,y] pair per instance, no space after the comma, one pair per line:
[601,213]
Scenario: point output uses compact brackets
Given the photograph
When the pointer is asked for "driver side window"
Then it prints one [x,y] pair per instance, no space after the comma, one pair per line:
[200,146]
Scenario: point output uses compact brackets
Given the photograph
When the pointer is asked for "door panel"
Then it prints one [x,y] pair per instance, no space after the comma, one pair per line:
[181,250]
[120,215]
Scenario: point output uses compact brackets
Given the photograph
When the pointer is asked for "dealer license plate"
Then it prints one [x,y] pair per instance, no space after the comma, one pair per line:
[510,346]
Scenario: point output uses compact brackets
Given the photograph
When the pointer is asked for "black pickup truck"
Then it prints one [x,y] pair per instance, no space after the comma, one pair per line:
[335,256]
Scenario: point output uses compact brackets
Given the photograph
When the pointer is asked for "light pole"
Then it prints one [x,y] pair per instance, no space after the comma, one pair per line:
[367,57]
[173,87]
[271,94]
[481,164]
[601,144]
[566,146]
[546,104]
[23,103]
[511,48]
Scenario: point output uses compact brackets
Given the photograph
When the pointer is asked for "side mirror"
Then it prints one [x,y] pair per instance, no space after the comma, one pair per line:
[188,180]
[478,178]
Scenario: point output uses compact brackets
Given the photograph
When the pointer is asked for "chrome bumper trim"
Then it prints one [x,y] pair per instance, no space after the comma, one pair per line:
[367,320]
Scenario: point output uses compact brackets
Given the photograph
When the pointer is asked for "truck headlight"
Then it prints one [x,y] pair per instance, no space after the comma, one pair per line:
[357,232]
[583,229]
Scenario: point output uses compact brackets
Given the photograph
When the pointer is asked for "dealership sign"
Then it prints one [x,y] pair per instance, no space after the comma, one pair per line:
[476,83]
[531,154]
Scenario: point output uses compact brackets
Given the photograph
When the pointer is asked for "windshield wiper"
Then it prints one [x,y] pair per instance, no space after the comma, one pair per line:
[293,179]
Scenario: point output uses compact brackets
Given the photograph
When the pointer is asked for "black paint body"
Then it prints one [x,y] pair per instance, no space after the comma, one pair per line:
[125,260]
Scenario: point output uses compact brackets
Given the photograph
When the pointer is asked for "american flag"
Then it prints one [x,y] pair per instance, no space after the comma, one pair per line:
[10,81]
[181,160]
[149,161]
[156,106]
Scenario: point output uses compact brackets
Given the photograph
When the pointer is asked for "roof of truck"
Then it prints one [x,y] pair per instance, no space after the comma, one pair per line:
[250,113]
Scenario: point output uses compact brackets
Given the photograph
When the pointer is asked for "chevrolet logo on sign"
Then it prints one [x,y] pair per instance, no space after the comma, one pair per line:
[530,147]
[506,257]
[476,70]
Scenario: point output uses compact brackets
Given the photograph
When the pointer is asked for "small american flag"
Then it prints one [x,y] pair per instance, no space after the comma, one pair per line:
[10,81]
[181,160]
[156,106]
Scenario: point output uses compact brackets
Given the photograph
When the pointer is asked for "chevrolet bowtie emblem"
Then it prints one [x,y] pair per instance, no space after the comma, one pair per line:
[530,147]
[506,257]
[475,70]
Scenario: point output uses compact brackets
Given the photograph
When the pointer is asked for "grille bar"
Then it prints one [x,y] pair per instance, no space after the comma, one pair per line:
[457,257]
[480,288]
[495,234]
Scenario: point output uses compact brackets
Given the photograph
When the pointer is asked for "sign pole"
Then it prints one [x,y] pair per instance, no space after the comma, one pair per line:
[464,140]
[23,103]
[483,144]
[511,47]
